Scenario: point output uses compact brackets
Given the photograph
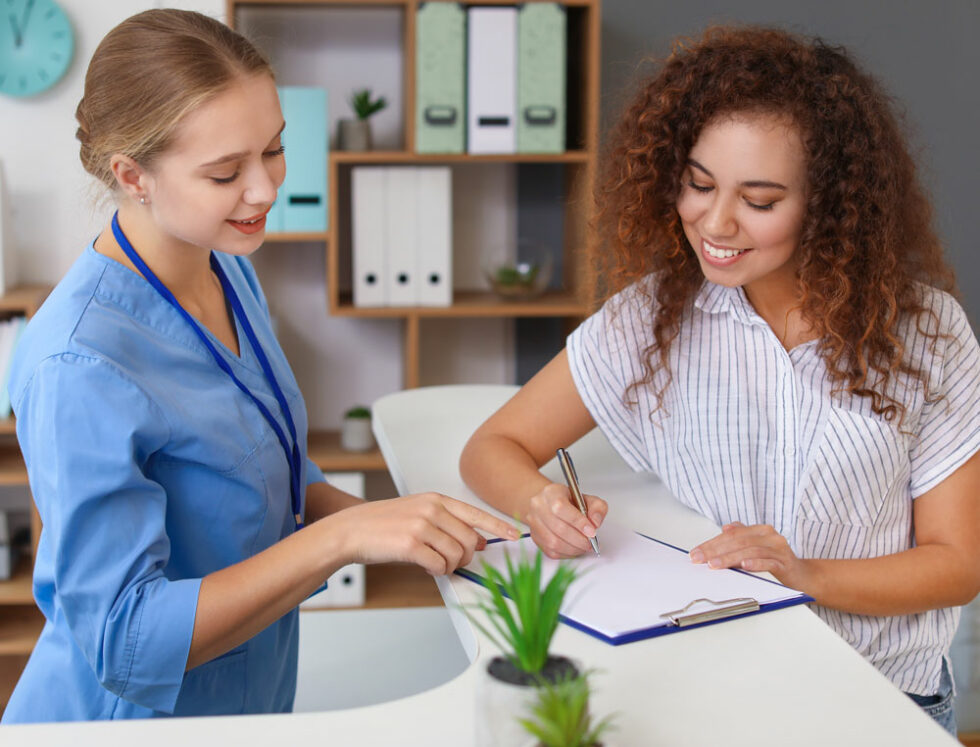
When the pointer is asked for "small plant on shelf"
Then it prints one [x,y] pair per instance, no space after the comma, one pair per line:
[364,105]
[355,435]
[560,714]
[355,134]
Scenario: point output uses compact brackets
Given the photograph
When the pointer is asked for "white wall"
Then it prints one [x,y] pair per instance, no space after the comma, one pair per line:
[54,209]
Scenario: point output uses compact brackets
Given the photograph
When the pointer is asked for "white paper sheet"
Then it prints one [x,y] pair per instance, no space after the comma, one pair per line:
[635,580]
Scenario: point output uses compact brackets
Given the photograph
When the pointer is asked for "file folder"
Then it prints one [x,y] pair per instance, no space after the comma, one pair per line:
[440,78]
[642,588]
[368,225]
[492,79]
[303,194]
[541,43]
[401,219]
[435,236]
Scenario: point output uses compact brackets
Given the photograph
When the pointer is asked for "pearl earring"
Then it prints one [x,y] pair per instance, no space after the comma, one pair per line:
[142,199]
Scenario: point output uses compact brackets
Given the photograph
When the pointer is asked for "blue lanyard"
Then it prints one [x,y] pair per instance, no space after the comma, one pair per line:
[292,454]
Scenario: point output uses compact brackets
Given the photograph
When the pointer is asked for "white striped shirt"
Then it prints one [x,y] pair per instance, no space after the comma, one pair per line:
[751,433]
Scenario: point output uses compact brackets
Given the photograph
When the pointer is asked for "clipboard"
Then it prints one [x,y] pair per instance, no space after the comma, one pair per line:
[642,588]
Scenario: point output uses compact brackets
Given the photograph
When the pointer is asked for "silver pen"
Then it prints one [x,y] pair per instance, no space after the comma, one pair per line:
[568,469]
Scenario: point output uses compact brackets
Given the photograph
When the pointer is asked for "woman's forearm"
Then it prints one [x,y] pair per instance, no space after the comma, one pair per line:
[323,499]
[921,578]
[501,472]
[241,600]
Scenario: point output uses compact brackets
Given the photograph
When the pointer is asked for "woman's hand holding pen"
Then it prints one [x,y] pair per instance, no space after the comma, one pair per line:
[558,527]
[428,529]
[755,548]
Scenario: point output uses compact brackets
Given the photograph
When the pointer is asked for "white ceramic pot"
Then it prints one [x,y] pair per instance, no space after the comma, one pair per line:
[356,435]
[499,706]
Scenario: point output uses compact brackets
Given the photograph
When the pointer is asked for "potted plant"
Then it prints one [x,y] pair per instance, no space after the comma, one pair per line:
[355,134]
[560,717]
[355,434]
[522,628]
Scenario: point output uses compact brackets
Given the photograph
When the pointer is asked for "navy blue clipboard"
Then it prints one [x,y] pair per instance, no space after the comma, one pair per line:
[697,614]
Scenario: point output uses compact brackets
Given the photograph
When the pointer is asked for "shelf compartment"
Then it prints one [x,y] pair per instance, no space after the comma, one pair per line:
[19,629]
[386,157]
[323,448]
[18,588]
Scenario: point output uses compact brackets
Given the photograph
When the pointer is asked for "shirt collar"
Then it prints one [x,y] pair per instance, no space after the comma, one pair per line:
[719,299]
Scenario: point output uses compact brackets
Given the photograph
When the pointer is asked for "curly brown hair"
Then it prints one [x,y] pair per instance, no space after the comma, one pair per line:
[867,238]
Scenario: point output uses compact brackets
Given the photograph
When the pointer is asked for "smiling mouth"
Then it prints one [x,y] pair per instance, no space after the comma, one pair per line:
[249,221]
[719,253]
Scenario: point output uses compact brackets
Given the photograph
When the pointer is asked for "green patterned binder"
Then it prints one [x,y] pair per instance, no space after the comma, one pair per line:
[440,78]
[541,50]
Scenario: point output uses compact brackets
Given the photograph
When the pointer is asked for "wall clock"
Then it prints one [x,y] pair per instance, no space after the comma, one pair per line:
[36,46]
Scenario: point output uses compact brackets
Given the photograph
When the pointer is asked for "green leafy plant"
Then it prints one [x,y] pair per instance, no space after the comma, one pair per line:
[524,633]
[363,105]
[560,714]
[358,411]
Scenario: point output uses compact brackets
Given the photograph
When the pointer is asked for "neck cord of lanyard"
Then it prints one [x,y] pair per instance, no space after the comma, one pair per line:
[292,454]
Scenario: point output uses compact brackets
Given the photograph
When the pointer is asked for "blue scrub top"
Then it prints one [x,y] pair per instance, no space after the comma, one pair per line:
[150,469]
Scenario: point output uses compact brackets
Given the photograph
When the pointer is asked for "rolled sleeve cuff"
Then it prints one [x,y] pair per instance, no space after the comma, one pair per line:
[163,643]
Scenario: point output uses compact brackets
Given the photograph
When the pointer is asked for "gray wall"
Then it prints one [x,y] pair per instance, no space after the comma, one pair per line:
[924,51]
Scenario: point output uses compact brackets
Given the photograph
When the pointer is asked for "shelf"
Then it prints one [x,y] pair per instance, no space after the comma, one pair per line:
[474,304]
[19,629]
[392,586]
[18,588]
[12,469]
[24,299]
[399,156]
[323,449]
[388,3]
[298,236]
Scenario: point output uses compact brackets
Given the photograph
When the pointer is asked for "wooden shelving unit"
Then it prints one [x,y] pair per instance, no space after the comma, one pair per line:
[20,619]
[578,163]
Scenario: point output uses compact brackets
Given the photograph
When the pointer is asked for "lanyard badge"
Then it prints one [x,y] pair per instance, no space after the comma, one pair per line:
[291,452]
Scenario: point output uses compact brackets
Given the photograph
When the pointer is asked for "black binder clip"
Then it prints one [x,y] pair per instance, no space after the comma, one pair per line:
[716,611]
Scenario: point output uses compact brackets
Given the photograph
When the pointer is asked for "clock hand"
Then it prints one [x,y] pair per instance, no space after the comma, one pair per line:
[28,7]
[17,35]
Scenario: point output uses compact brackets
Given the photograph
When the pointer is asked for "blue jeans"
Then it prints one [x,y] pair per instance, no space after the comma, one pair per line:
[939,707]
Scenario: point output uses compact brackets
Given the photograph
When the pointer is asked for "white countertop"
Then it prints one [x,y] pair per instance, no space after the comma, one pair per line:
[780,678]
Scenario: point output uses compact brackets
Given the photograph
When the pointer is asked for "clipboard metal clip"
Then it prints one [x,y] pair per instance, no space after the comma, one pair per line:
[717,611]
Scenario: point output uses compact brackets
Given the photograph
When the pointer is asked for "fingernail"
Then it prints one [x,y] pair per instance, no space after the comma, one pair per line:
[589,530]
[514,533]
[697,556]
[714,563]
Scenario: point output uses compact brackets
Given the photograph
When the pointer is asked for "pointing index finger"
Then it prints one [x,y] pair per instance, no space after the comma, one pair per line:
[480,519]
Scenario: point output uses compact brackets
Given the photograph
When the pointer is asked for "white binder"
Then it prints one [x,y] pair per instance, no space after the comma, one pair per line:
[347,585]
[492,79]
[434,239]
[368,241]
[401,217]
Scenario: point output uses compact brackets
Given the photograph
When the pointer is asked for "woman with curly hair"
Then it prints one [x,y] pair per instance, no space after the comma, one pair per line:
[779,344]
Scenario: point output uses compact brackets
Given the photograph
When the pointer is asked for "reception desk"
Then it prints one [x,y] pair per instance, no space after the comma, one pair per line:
[780,678]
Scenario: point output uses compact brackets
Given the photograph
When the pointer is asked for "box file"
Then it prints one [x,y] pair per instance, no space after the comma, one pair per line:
[302,201]
[368,228]
[347,585]
[440,75]
[401,218]
[434,240]
[541,50]
[491,77]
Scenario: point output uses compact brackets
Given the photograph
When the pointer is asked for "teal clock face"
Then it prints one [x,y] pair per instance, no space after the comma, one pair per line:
[36,46]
